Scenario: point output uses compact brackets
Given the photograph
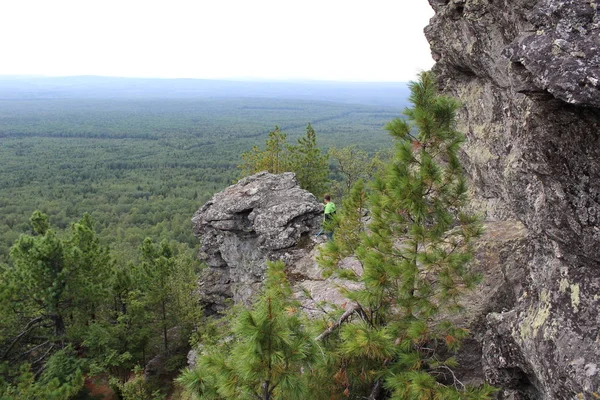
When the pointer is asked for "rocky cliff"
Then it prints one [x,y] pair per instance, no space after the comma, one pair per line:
[528,74]
[268,217]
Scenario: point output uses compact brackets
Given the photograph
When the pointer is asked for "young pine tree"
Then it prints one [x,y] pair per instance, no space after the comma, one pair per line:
[349,225]
[415,257]
[56,285]
[309,164]
[55,290]
[274,158]
[268,355]
[304,159]
[167,282]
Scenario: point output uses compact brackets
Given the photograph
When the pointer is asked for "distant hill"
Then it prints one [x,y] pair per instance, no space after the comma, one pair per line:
[393,94]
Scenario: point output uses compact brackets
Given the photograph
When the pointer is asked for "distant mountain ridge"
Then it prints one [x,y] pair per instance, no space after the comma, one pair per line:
[392,94]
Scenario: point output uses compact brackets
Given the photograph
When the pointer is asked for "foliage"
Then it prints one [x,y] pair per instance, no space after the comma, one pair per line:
[268,355]
[349,224]
[414,255]
[61,380]
[274,158]
[137,388]
[142,166]
[309,164]
[63,291]
[167,283]
[304,159]
[55,284]
[56,288]
[352,164]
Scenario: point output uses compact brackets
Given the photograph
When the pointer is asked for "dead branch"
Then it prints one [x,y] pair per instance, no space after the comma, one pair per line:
[376,391]
[35,348]
[43,356]
[340,321]
[457,383]
[25,331]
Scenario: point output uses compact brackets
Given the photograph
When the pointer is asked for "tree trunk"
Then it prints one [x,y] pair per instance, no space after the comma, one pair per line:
[164,315]
[266,391]
[59,325]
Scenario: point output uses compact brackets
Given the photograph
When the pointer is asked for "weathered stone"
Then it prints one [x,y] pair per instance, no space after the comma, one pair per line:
[319,295]
[262,217]
[527,73]
[498,257]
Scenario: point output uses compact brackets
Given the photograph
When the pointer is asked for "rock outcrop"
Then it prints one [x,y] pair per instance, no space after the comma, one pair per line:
[263,217]
[528,74]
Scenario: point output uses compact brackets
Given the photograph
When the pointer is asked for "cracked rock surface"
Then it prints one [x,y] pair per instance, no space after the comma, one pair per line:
[527,73]
[264,217]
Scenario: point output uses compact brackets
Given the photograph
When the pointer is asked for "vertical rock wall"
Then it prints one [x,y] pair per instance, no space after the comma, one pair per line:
[528,74]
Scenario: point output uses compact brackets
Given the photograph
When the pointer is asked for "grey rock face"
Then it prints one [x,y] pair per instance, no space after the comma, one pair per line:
[527,73]
[262,217]
[499,256]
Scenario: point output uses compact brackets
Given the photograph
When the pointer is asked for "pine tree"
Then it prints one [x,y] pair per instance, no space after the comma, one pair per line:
[269,354]
[90,285]
[274,158]
[304,159]
[62,379]
[389,341]
[56,283]
[352,164]
[157,266]
[55,288]
[120,341]
[309,164]
[415,257]
[349,224]
[166,280]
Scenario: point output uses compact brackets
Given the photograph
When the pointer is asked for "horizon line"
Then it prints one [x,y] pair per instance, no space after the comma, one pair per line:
[228,79]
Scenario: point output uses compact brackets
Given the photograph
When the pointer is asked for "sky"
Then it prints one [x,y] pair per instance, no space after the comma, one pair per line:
[343,40]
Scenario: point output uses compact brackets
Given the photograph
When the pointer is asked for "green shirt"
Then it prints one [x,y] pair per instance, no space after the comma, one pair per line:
[329,208]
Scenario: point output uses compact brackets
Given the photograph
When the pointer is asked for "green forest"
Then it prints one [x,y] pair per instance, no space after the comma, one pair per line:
[98,263]
[141,168]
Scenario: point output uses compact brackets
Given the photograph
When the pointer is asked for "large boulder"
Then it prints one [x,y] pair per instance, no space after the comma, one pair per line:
[263,217]
[528,75]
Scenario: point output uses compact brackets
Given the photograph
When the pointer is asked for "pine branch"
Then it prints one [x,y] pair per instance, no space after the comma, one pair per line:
[340,321]
[30,325]
[43,356]
[35,348]
[376,391]
[310,297]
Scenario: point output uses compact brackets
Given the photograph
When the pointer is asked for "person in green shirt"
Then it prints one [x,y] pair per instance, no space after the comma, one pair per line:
[329,207]
[328,213]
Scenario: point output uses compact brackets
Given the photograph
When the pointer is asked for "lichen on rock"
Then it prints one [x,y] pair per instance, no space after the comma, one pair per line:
[527,73]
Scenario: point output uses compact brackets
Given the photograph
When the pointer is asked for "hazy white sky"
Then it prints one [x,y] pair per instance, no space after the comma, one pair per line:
[378,40]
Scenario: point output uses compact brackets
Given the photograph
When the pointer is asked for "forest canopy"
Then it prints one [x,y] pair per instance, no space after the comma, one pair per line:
[142,167]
